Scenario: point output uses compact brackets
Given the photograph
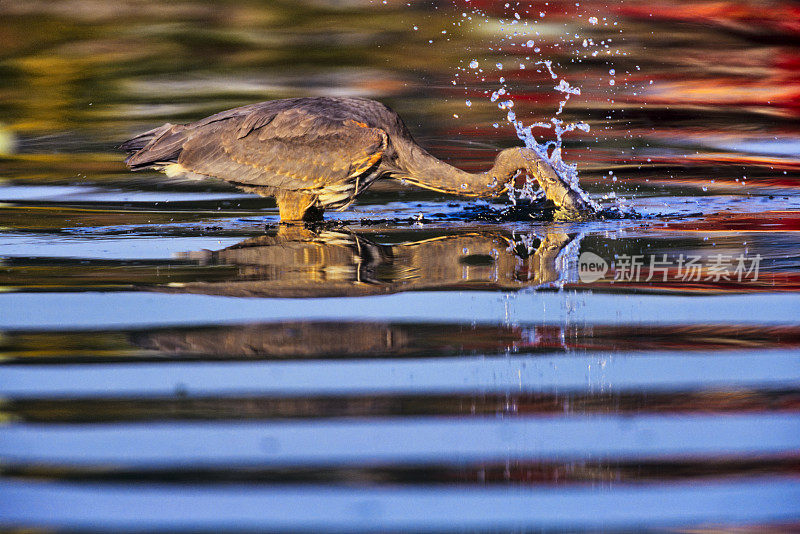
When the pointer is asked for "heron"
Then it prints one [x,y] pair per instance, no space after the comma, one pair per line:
[318,153]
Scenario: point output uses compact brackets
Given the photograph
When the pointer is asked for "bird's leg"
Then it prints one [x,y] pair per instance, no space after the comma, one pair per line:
[297,207]
[294,233]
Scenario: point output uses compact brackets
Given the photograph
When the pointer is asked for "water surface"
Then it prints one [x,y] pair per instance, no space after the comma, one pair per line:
[173,360]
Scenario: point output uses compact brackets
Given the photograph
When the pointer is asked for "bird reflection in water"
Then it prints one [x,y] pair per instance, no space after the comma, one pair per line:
[295,261]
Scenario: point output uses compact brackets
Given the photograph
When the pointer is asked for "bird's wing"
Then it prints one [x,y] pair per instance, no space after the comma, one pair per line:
[291,149]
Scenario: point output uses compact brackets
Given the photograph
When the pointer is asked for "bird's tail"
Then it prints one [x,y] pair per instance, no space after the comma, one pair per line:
[155,148]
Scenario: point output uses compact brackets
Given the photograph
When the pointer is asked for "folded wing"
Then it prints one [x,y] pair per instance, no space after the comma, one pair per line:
[292,149]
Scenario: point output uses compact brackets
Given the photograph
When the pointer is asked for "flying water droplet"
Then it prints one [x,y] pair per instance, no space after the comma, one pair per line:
[497,94]
[473,64]
[564,87]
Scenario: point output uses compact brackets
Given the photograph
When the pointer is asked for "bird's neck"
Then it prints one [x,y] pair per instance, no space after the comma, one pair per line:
[422,169]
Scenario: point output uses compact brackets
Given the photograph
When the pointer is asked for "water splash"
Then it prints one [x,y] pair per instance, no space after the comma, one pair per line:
[549,64]
[523,32]
[550,151]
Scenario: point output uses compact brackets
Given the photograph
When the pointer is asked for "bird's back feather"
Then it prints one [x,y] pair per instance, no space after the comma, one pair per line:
[324,146]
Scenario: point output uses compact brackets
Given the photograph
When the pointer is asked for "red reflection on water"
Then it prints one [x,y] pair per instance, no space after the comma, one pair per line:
[770,221]
[751,18]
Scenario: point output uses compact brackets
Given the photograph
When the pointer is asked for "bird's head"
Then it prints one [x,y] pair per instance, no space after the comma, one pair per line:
[516,162]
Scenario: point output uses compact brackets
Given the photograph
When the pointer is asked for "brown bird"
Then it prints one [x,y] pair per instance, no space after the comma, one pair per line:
[314,154]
